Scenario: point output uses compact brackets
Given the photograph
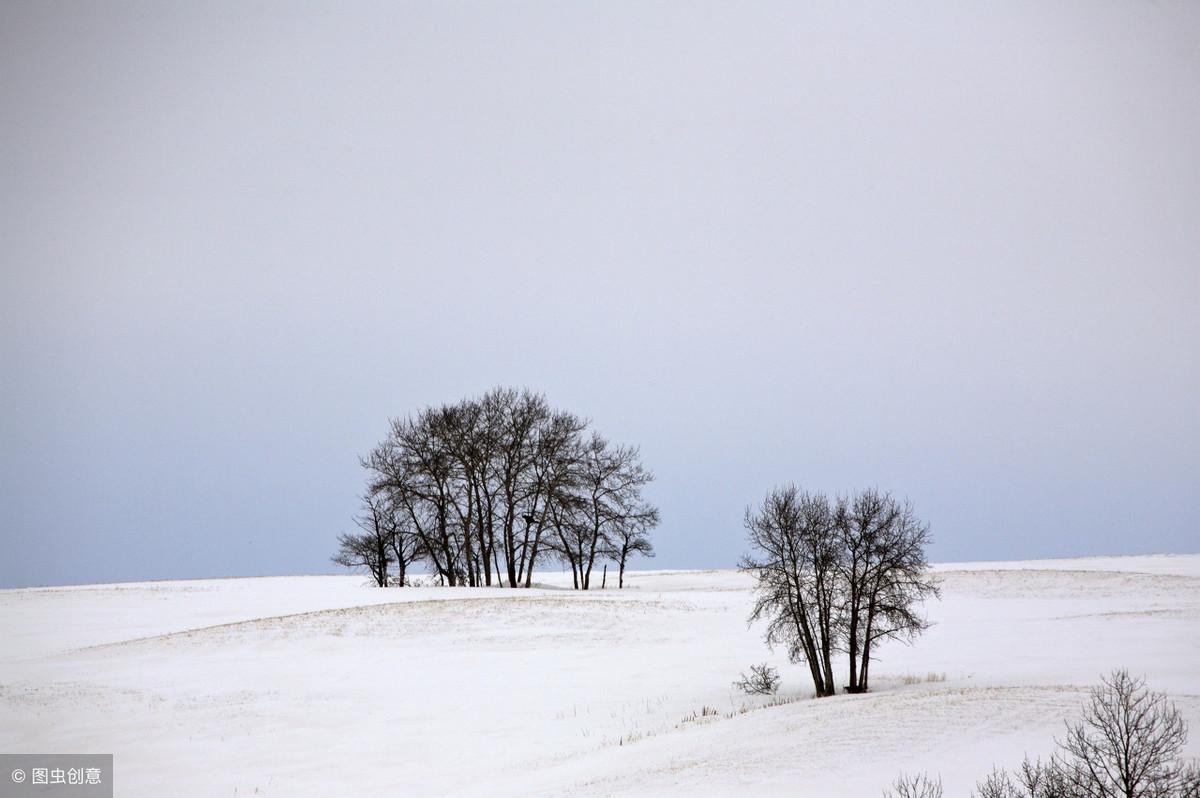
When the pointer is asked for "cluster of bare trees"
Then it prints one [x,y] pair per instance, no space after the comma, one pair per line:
[837,576]
[483,490]
[1126,744]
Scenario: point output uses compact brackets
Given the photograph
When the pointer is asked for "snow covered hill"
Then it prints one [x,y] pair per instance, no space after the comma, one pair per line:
[323,686]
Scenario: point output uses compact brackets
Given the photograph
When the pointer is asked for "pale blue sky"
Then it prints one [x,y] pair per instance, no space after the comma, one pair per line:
[952,250]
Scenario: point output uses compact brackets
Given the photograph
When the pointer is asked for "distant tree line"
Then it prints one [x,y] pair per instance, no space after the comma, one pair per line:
[484,490]
[837,576]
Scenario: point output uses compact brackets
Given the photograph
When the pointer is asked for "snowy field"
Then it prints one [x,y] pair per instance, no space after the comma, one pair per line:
[323,686]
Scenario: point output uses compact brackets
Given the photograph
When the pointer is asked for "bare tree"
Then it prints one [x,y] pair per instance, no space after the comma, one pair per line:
[598,475]
[372,549]
[569,533]
[414,468]
[631,536]
[1126,744]
[631,518]
[463,431]
[407,547]
[794,556]
[840,577]
[517,417]
[552,474]
[482,488]
[885,575]
[603,508]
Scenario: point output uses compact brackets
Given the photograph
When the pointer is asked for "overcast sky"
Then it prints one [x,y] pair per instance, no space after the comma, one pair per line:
[951,250]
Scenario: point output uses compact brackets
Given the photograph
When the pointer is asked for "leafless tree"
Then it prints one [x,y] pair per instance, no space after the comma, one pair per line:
[794,557]
[417,472]
[370,549]
[467,438]
[884,573]
[631,527]
[603,511]
[407,547]
[517,417]
[548,484]
[837,577]
[483,488]
[631,537]
[567,541]
[1127,743]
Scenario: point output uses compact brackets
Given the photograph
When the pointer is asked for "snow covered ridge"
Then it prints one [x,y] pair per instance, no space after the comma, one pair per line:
[323,686]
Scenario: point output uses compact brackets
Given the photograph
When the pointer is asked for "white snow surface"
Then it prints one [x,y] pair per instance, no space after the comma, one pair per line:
[325,686]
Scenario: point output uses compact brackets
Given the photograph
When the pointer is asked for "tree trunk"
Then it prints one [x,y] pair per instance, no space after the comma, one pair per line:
[863,684]
[852,642]
[827,649]
[510,557]
[809,646]
[591,556]
[865,665]
[451,574]
[537,542]
[382,560]
[486,538]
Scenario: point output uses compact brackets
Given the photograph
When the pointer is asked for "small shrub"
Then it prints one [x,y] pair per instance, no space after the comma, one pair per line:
[762,680]
[931,676]
[917,786]
[1033,780]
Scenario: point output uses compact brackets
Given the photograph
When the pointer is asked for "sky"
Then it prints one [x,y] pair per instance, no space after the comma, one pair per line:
[951,250]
